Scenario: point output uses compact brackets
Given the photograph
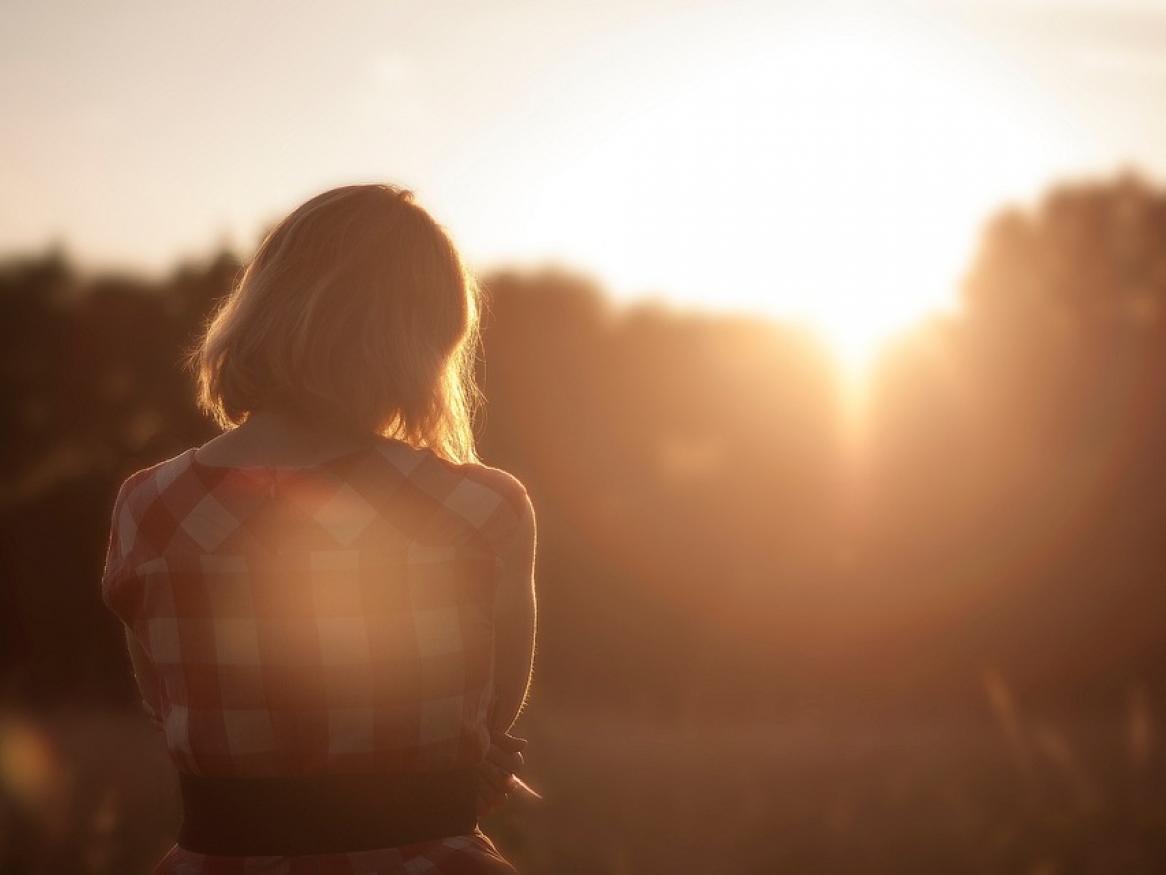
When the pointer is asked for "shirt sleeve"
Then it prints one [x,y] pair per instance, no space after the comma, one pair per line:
[146,677]
[120,543]
[120,560]
[509,505]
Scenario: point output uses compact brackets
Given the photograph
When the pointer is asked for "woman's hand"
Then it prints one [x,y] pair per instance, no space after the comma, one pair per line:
[496,772]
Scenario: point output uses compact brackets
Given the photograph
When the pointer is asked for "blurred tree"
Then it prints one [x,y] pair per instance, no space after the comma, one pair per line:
[706,543]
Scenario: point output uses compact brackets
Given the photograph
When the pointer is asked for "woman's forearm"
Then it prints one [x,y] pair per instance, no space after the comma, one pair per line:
[514,624]
[513,661]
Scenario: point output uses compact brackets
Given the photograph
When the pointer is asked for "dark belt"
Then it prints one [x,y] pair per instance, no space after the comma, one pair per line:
[323,814]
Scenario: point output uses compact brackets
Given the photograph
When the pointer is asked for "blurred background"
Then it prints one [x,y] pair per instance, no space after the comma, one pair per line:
[828,339]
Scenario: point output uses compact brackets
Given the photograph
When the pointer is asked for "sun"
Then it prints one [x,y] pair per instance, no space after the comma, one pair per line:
[834,173]
[874,227]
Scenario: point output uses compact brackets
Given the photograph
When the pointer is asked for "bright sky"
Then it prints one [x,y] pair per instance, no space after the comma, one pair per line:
[816,160]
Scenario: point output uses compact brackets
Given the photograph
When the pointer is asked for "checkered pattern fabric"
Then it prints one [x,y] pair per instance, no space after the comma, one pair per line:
[334,618]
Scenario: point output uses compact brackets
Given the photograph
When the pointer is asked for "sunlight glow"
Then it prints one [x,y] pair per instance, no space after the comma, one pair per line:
[823,163]
[832,176]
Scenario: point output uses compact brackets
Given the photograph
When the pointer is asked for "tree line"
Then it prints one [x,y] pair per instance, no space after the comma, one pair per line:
[712,538]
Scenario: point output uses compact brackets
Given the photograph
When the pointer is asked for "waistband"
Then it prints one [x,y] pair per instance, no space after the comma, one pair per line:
[323,814]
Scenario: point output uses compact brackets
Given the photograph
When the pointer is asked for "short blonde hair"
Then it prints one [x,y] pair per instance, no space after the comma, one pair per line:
[356,312]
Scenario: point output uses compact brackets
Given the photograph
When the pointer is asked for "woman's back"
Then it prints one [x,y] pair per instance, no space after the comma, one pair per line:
[332,618]
[330,607]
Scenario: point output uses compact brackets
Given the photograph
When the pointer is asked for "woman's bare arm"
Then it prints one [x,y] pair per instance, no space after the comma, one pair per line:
[514,624]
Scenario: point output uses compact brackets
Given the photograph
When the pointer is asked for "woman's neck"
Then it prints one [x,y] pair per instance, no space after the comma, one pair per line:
[271,436]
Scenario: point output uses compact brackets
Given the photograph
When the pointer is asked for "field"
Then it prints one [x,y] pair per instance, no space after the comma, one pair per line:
[989,791]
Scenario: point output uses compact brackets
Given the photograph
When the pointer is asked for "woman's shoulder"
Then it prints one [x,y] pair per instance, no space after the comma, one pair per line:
[493,500]
[437,474]
[490,499]
[501,482]
[147,482]
[132,522]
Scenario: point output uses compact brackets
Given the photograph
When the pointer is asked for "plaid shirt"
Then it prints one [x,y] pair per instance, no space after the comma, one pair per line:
[331,618]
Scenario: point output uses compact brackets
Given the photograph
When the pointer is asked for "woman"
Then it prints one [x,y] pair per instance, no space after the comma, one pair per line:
[330,607]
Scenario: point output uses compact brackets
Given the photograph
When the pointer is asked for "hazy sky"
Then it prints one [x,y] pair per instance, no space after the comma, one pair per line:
[790,158]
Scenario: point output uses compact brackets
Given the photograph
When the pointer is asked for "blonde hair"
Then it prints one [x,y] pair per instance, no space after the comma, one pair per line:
[356,313]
